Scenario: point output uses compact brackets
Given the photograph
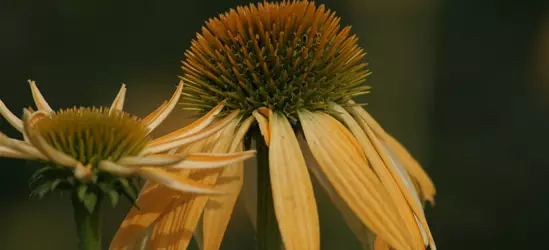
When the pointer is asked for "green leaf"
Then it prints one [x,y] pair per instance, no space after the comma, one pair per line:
[90,200]
[114,197]
[81,192]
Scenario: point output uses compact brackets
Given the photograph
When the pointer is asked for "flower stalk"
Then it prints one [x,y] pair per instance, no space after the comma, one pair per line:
[268,234]
[88,223]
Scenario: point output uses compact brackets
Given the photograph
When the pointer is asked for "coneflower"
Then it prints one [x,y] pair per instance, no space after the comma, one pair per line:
[291,68]
[97,153]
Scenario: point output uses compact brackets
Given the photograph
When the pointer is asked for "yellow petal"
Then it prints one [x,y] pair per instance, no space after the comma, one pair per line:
[155,113]
[380,244]
[11,153]
[387,173]
[10,117]
[427,188]
[363,234]
[116,169]
[193,127]
[153,200]
[218,210]
[153,148]
[40,143]
[293,196]
[151,160]
[213,160]
[263,126]
[175,181]
[39,100]
[118,103]
[343,162]
[161,115]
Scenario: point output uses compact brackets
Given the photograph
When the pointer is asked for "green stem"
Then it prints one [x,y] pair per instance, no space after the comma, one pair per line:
[88,225]
[268,234]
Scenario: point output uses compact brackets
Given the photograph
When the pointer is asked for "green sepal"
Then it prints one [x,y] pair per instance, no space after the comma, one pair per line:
[90,200]
[81,192]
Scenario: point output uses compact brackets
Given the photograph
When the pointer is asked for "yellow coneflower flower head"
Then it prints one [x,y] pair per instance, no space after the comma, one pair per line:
[100,152]
[291,68]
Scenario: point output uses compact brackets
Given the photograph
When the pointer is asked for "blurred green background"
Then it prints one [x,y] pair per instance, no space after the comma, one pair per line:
[464,84]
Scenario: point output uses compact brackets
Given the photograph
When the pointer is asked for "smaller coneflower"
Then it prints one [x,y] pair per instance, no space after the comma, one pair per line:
[101,152]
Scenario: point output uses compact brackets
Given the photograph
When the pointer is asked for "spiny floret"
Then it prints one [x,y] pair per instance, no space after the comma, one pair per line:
[93,134]
[287,56]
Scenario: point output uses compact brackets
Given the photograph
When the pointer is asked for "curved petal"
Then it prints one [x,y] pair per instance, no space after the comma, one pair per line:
[154,148]
[151,160]
[13,120]
[212,160]
[118,103]
[195,127]
[116,169]
[11,153]
[293,195]
[263,126]
[387,173]
[20,146]
[161,116]
[343,162]
[417,173]
[175,181]
[39,100]
[219,209]
[53,154]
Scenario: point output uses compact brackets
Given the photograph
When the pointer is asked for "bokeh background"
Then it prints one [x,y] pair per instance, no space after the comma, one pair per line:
[464,84]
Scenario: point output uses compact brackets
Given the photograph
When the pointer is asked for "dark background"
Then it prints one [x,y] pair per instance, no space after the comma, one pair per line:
[464,84]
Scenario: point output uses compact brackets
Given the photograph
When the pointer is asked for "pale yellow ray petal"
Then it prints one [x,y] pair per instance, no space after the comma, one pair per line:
[151,160]
[386,172]
[343,162]
[13,120]
[157,148]
[21,147]
[118,103]
[39,100]
[363,234]
[153,200]
[193,127]
[218,210]
[293,196]
[40,143]
[263,126]
[380,244]
[161,116]
[212,160]
[155,113]
[11,153]
[175,181]
[116,169]
[427,188]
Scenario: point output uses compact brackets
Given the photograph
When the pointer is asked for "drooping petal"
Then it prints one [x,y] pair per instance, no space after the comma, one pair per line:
[175,181]
[387,173]
[219,209]
[195,127]
[161,116]
[363,234]
[212,160]
[151,160]
[153,200]
[380,244]
[40,143]
[263,126]
[154,148]
[343,162]
[293,195]
[116,169]
[20,146]
[39,100]
[13,120]
[427,188]
[118,103]
[11,153]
